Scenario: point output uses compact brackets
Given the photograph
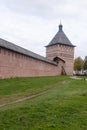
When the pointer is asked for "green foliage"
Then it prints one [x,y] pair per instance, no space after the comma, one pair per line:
[63,107]
[85,63]
[78,64]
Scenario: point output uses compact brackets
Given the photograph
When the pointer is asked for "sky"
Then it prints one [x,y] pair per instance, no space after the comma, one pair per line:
[32,24]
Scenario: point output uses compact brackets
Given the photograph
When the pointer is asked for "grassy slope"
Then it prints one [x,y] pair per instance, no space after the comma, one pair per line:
[16,88]
[63,107]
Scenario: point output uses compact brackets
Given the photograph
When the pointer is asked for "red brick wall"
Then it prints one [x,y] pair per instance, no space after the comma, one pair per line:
[13,64]
[64,52]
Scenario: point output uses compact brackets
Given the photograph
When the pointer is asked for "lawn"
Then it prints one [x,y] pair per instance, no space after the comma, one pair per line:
[63,107]
[16,88]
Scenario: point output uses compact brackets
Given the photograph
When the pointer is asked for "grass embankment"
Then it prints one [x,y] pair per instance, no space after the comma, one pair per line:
[63,107]
[16,88]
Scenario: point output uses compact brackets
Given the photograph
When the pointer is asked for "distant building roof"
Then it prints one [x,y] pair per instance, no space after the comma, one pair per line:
[60,38]
[18,49]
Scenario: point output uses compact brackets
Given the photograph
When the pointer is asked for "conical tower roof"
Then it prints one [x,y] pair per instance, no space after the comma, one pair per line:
[60,38]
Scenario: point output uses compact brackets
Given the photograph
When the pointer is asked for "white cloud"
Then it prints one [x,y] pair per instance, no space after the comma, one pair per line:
[32,24]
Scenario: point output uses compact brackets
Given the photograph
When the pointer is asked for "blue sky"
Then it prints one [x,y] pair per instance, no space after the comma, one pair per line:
[33,23]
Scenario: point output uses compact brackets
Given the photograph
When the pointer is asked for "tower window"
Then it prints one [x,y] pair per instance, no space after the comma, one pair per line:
[56,59]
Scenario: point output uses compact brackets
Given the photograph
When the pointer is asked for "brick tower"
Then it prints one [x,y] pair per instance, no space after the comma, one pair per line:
[61,47]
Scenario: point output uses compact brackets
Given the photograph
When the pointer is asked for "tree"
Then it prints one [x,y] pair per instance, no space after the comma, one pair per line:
[78,64]
[85,63]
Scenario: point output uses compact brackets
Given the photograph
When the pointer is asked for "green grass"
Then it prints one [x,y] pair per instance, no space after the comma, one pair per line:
[19,85]
[63,107]
[12,89]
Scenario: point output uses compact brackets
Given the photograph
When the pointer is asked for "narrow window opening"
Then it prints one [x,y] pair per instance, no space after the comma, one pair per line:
[56,60]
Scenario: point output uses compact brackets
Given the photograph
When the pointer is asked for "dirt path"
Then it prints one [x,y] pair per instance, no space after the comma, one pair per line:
[75,77]
[23,99]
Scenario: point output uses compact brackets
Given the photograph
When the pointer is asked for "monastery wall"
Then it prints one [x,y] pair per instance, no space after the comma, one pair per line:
[13,64]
